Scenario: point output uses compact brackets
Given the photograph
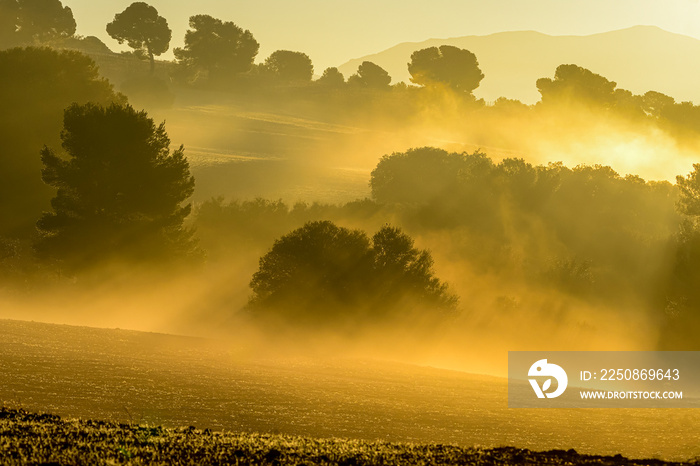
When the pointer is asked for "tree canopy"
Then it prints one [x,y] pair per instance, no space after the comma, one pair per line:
[119,190]
[655,103]
[370,75]
[140,26]
[572,83]
[36,118]
[322,273]
[331,78]
[576,86]
[680,297]
[421,175]
[601,219]
[445,65]
[689,195]
[216,49]
[289,67]
[25,22]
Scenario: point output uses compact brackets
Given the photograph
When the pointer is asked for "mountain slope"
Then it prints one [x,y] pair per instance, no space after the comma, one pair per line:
[640,58]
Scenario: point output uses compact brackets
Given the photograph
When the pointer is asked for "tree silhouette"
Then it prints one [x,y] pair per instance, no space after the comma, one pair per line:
[59,78]
[689,192]
[331,78]
[120,190]
[370,76]
[321,273]
[216,49]
[445,65]
[682,118]
[418,176]
[572,83]
[143,29]
[34,22]
[655,103]
[680,317]
[319,262]
[518,181]
[401,270]
[289,67]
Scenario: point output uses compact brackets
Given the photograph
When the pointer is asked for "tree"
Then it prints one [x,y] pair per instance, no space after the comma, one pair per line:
[143,29]
[370,76]
[420,175]
[682,118]
[34,21]
[331,78]
[59,78]
[440,189]
[317,263]
[446,65]
[120,190]
[629,105]
[509,106]
[321,273]
[572,83]
[689,192]
[655,103]
[518,182]
[289,67]
[401,270]
[681,294]
[216,49]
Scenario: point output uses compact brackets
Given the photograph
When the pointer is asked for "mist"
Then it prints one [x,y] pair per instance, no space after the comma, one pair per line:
[280,213]
[310,151]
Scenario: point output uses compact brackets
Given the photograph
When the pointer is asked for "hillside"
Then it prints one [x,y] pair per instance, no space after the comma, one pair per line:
[639,59]
[155,379]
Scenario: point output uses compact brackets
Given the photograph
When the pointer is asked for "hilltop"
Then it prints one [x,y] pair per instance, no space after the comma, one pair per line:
[639,59]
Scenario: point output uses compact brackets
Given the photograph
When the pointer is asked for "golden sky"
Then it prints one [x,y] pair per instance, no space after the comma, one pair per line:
[334,31]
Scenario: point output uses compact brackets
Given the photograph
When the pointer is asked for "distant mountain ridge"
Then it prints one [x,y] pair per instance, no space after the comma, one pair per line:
[640,58]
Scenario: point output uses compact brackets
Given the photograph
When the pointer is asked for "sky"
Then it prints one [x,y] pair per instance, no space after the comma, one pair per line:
[332,32]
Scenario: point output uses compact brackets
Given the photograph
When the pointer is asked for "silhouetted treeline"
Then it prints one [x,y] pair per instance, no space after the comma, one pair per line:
[576,87]
[116,191]
[219,54]
[585,231]
[255,224]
